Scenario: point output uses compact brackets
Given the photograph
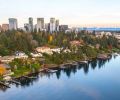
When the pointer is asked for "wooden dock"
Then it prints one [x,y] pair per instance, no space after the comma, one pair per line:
[29,77]
[13,81]
[2,83]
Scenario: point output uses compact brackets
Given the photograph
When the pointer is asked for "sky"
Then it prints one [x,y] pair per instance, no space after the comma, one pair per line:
[71,12]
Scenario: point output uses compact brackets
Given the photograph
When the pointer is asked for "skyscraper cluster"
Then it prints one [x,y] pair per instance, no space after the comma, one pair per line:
[52,26]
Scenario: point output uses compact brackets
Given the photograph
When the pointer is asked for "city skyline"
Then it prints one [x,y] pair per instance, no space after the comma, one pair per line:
[73,13]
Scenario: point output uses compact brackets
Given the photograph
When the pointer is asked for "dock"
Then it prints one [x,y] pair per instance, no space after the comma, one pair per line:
[2,83]
[13,81]
[29,77]
[51,71]
[83,62]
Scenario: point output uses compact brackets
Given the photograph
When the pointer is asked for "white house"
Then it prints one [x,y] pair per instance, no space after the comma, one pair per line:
[21,55]
[44,49]
[67,51]
[7,59]
[101,34]
[117,35]
[57,50]
[35,55]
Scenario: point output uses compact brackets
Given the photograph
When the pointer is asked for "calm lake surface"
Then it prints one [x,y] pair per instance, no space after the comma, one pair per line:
[100,80]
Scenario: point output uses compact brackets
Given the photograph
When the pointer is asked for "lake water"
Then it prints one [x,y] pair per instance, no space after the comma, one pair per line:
[98,81]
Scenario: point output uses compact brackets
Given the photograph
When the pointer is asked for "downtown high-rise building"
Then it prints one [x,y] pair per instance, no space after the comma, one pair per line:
[47,27]
[5,27]
[31,24]
[52,25]
[40,24]
[57,25]
[13,25]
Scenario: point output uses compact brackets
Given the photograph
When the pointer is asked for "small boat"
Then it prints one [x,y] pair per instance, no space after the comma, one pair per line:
[83,62]
[51,71]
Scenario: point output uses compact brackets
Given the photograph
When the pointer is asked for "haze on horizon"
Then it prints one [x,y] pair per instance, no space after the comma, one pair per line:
[71,12]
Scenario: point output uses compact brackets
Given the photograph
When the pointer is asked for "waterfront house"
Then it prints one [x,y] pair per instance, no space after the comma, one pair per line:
[75,43]
[57,50]
[44,49]
[7,59]
[67,51]
[36,55]
[20,55]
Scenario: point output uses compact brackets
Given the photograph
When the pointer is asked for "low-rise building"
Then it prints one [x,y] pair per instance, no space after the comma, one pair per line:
[101,34]
[75,43]
[48,50]
[117,36]
[44,49]
[36,55]
[20,55]
[5,27]
[63,28]
[57,50]
[67,51]
[7,59]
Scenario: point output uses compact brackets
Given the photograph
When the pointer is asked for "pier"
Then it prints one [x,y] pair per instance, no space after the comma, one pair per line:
[2,83]
[29,77]
[13,81]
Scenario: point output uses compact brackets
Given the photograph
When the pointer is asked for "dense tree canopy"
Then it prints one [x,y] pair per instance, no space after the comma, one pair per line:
[12,41]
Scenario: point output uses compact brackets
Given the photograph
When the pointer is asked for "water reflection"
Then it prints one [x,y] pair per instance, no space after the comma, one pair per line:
[93,64]
[2,88]
[68,71]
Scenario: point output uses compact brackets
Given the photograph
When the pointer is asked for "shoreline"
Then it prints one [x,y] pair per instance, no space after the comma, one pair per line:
[57,66]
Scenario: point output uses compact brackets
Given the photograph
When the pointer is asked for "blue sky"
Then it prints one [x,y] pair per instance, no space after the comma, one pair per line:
[72,12]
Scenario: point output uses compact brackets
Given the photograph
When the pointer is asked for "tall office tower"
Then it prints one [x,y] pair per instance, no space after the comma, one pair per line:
[5,27]
[13,25]
[35,28]
[47,27]
[30,24]
[57,25]
[40,24]
[52,25]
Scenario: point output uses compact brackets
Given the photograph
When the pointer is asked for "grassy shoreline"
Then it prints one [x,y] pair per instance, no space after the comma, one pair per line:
[49,66]
[27,67]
